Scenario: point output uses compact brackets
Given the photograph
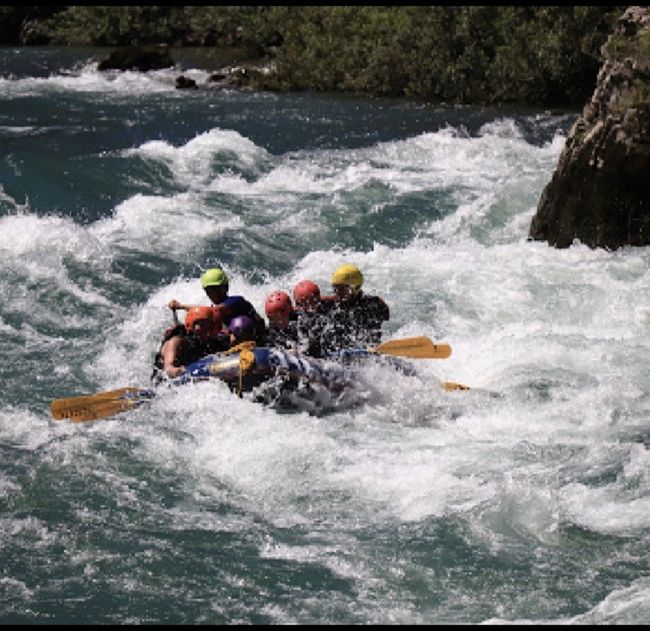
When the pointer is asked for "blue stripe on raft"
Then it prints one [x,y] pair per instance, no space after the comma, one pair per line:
[223,366]
[267,362]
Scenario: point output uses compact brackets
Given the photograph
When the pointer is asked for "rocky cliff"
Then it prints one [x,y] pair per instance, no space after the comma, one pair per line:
[600,191]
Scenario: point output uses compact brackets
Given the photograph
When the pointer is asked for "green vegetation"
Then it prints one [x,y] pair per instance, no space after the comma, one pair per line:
[541,55]
[621,46]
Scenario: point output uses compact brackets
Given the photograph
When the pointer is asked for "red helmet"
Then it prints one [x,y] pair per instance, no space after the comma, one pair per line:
[306,292]
[203,313]
[279,302]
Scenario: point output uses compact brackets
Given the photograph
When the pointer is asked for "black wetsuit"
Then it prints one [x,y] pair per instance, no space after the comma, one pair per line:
[355,323]
[312,327]
[283,338]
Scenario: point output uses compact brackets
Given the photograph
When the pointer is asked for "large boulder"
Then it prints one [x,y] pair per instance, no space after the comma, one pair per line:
[600,191]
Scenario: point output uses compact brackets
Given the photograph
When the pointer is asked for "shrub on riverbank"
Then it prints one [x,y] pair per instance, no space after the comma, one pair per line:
[541,55]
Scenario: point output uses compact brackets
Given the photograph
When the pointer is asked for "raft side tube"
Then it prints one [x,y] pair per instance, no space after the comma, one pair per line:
[267,362]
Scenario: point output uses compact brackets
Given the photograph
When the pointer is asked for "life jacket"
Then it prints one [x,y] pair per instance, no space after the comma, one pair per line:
[368,312]
[192,348]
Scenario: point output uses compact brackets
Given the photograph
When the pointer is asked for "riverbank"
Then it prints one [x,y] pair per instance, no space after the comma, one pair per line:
[541,56]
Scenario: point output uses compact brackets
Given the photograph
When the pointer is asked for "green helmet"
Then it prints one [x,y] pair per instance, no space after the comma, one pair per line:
[214,277]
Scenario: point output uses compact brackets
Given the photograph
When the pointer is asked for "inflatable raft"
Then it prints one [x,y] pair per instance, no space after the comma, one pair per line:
[249,366]
[246,367]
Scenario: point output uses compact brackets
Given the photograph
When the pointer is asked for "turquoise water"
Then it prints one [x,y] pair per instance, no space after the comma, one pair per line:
[522,500]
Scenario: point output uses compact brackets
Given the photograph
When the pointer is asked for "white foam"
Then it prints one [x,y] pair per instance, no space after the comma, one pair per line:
[193,164]
[624,606]
[34,249]
[89,80]
[174,225]
[620,508]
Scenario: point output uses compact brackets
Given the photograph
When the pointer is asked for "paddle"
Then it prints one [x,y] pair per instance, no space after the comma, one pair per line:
[415,347]
[420,348]
[451,385]
[91,407]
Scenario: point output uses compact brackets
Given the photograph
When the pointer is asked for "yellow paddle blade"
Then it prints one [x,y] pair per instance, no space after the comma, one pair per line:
[95,406]
[416,347]
[450,385]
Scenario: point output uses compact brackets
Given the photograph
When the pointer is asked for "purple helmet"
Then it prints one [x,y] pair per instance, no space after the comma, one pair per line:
[243,328]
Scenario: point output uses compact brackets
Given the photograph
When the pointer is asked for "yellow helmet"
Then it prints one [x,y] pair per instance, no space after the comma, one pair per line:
[347,274]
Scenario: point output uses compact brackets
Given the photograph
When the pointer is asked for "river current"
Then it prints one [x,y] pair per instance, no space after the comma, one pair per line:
[525,499]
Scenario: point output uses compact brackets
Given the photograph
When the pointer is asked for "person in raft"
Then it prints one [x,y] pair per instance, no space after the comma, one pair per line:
[308,299]
[312,316]
[215,284]
[281,331]
[355,320]
[201,334]
[242,329]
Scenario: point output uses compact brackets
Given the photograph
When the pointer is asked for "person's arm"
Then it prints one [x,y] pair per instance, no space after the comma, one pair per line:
[374,310]
[383,309]
[173,304]
[169,353]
